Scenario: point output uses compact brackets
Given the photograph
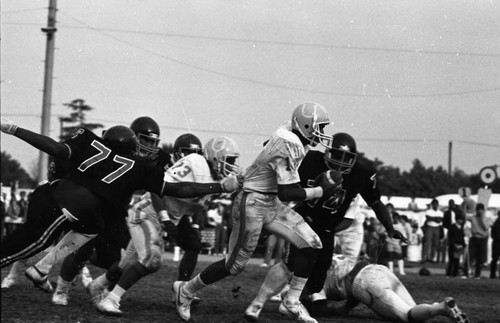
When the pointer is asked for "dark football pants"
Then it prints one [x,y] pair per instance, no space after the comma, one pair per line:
[102,251]
[189,239]
[321,262]
[45,222]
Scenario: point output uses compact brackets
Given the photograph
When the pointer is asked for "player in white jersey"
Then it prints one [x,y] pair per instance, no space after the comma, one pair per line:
[271,179]
[147,217]
[378,288]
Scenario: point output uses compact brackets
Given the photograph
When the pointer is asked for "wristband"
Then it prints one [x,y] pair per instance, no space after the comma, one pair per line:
[164,216]
[313,192]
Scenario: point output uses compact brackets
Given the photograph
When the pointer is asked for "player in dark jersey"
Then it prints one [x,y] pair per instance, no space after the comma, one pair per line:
[104,251]
[326,216]
[43,224]
[105,173]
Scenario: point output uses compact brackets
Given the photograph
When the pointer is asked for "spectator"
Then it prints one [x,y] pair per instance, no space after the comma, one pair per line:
[478,243]
[217,211]
[23,205]
[468,205]
[371,240]
[495,246]
[13,212]
[432,235]
[456,245]
[407,231]
[413,206]
[393,247]
[415,240]
[450,214]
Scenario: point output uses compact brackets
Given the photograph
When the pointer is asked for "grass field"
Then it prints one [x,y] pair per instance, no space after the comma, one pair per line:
[150,300]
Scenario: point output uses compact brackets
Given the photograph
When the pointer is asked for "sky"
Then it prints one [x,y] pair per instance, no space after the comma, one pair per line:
[404,78]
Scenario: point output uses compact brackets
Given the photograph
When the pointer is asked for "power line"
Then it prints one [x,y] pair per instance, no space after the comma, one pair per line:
[277,42]
[280,86]
[243,133]
[387,94]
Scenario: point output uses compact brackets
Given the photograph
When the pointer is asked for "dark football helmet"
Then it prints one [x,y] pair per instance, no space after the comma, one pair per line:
[186,144]
[148,134]
[342,156]
[122,140]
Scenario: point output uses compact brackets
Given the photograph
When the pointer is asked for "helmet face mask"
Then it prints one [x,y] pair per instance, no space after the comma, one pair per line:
[148,133]
[186,144]
[222,153]
[342,155]
[309,119]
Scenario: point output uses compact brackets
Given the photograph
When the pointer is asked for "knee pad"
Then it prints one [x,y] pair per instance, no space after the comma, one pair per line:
[153,262]
[237,267]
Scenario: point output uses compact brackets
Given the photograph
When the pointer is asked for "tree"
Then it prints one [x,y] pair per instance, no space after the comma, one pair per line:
[12,174]
[76,119]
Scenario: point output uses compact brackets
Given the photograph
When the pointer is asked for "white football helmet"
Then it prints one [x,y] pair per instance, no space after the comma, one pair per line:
[309,119]
[222,153]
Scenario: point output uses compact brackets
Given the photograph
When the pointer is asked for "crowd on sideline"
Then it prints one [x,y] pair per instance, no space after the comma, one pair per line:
[465,237]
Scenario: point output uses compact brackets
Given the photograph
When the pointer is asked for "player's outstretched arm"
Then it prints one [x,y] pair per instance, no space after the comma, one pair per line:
[385,218]
[192,189]
[41,142]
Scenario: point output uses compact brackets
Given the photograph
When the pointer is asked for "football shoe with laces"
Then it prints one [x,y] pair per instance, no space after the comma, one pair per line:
[9,281]
[182,300]
[252,312]
[456,314]
[296,311]
[86,277]
[60,298]
[109,306]
[40,280]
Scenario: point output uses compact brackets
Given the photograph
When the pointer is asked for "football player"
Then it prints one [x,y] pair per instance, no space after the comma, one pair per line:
[143,255]
[44,223]
[105,173]
[325,216]
[271,179]
[105,250]
[379,289]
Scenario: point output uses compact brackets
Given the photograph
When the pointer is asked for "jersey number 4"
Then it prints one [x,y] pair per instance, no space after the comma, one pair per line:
[102,154]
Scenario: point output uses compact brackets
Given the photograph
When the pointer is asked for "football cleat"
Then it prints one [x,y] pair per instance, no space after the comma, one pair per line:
[182,301]
[40,280]
[252,312]
[60,298]
[296,311]
[109,306]
[9,281]
[86,277]
[96,292]
[456,314]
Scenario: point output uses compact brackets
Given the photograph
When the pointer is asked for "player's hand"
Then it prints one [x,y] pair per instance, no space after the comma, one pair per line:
[395,234]
[171,229]
[232,183]
[8,126]
[330,181]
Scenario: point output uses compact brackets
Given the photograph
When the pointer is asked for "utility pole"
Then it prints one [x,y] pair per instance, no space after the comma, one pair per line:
[450,146]
[50,30]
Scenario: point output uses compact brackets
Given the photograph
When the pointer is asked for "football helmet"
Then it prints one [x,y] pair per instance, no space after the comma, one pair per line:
[186,144]
[342,155]
[309,119]
[222,153]
[148,134]
[122,140]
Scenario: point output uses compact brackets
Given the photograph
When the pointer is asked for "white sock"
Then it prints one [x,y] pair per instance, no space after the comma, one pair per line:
[296,286]
[194,285]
